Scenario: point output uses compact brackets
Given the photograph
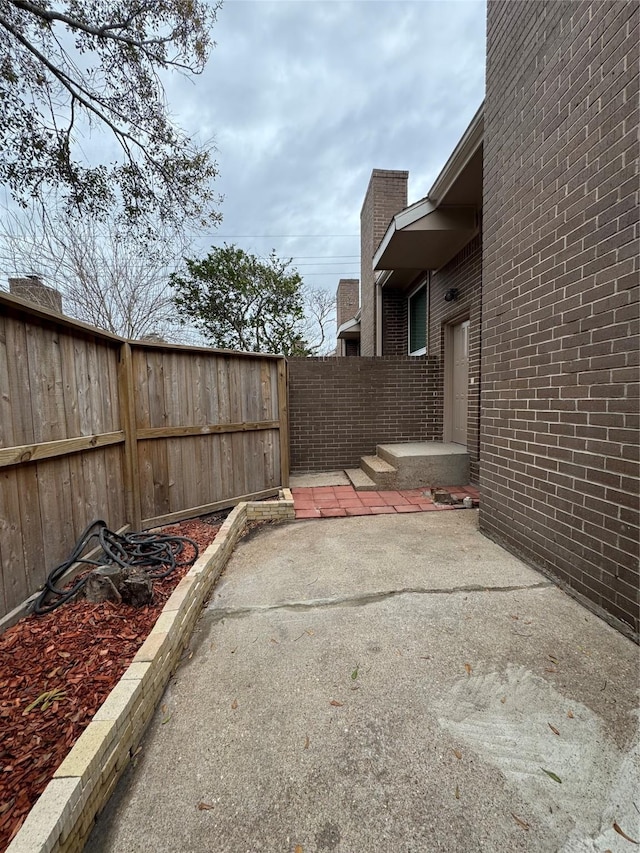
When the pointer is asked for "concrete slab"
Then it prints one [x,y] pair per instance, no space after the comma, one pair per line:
[426,463]
[412,449]
[396,683]
[315,479]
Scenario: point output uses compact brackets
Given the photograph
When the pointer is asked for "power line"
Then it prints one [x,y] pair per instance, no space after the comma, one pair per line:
[322,264]
[265,236]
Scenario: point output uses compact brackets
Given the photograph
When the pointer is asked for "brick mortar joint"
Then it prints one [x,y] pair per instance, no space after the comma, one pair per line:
[107,751]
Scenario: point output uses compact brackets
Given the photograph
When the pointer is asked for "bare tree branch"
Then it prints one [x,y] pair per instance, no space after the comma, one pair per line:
[106,278]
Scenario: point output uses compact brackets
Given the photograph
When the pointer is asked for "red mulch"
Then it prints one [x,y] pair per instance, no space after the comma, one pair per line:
[81,649]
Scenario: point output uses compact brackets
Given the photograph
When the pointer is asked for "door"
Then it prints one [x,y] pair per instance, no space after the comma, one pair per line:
[459,382]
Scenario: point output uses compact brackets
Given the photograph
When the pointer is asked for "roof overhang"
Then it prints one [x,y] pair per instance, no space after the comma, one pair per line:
[349,331]
[428,242]
[460,181]
[428,234]
[398,279]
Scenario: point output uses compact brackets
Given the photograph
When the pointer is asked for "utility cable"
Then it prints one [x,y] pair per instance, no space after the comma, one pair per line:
[157,553]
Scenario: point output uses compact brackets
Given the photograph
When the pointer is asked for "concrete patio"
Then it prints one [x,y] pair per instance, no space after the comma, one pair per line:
[388,683]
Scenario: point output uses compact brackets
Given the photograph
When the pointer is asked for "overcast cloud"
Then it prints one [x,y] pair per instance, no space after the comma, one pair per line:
[303,99]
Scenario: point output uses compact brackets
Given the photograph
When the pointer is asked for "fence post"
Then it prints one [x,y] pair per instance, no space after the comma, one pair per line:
[126,392]
[283,417]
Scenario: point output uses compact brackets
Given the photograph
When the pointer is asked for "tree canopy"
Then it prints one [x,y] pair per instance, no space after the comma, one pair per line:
[68,68]
[239,301]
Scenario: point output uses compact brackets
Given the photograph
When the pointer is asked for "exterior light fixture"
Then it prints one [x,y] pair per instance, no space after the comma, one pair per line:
[451,295]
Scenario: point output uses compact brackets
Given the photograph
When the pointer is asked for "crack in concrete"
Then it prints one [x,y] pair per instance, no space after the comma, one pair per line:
[218,614]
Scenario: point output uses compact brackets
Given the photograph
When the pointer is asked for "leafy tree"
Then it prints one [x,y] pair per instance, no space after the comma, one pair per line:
[69,67]
[239,301]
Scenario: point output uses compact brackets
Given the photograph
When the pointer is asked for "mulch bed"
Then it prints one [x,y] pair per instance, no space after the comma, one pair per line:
[81,650]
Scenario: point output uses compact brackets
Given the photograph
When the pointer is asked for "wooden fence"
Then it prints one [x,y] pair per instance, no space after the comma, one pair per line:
[92,426]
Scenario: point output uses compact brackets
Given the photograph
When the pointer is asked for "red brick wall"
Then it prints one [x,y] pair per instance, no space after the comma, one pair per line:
[464,272]
[386,196]
[559,447]
[340,408]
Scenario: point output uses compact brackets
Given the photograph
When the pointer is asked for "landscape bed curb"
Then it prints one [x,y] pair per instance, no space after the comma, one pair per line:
[63,816]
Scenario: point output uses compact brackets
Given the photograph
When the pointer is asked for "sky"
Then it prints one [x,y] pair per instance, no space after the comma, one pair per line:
[303,98]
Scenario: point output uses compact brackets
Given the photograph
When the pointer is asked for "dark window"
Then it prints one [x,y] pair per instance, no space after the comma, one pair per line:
[418,321]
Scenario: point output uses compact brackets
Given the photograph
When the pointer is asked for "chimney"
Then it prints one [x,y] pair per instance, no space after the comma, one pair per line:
[30,287]
[347,300]
[386,196]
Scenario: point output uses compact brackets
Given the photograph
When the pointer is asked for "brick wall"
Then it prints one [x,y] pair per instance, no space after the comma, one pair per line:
[464,272]
[347,300]
[386,196]
[394,323]
[559,445]
[340,408]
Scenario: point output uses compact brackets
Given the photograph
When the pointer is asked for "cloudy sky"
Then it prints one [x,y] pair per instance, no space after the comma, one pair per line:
[303,99]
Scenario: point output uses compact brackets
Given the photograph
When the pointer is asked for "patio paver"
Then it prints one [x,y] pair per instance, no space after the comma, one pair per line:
[338,501]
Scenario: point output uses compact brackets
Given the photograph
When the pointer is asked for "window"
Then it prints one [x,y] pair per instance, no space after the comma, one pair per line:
[418,321]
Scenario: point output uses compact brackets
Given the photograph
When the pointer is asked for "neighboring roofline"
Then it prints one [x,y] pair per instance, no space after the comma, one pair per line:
[352,325]
[462,153]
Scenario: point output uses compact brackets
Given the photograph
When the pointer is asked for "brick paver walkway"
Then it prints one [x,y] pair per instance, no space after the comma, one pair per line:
[340,501]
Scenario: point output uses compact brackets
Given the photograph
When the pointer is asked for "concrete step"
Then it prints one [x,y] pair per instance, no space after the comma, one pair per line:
[381,472]
[427,463]
[360,481]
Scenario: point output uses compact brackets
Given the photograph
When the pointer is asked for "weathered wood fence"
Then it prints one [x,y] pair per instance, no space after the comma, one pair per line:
[93,426]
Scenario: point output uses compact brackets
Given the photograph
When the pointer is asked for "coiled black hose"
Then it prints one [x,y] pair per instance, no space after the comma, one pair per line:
[157,553]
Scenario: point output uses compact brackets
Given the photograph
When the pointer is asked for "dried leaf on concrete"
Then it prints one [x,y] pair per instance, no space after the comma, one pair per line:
[520,822]
[623,834]
[552,776]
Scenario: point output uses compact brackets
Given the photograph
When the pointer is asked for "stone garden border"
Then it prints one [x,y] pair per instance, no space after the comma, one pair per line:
[64,814]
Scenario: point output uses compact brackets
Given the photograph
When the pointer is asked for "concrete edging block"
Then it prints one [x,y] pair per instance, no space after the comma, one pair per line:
[62,817]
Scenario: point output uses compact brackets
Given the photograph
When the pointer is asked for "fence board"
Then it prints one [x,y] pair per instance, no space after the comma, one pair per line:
[15,580]
[18,369]
[92,426]
[31,525]
[191,455]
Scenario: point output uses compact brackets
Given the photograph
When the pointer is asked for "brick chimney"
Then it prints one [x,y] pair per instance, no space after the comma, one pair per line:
[31,287]
[347,300]
[386,196]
